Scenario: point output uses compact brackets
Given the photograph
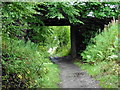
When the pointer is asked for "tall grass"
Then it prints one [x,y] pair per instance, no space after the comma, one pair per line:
[25,65]
[105,47]
[101,56]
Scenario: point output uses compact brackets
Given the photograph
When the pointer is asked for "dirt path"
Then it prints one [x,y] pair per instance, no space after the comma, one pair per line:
[73,77]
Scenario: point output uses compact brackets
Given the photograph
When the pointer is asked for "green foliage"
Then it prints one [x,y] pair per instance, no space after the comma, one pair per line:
[17,16]
[23,64]
[105,72]
[57,40]
[72,10]
[97,9]
[20,18]
[50,79]
[101,57]
[105,47]
[62,10]
[105,9]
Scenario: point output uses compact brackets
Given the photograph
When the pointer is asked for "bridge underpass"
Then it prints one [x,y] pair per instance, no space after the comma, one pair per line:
[77,30]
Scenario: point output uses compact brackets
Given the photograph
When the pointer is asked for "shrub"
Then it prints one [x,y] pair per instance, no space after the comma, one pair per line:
[23,64]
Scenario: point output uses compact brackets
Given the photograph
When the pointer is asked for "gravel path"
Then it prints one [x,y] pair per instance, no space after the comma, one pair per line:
[73,77]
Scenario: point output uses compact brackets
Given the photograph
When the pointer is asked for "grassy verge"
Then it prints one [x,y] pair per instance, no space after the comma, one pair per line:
[103,73]
[51,79]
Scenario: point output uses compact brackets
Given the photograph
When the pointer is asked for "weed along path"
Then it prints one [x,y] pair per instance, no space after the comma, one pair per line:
[72,77]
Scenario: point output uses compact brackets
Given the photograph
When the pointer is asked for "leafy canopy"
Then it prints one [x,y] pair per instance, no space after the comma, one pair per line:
[21,17]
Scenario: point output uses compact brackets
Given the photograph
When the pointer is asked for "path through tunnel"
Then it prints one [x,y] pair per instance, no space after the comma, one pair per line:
[80,33]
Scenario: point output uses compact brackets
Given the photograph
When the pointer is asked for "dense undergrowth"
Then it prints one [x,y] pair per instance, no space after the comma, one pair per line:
[26,48]
[100,58]
[25,65]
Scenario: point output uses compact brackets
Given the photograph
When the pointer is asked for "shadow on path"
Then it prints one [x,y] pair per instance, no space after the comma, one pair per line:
[72,76]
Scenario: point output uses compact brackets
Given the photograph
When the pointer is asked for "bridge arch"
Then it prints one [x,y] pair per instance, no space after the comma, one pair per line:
[77,30]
